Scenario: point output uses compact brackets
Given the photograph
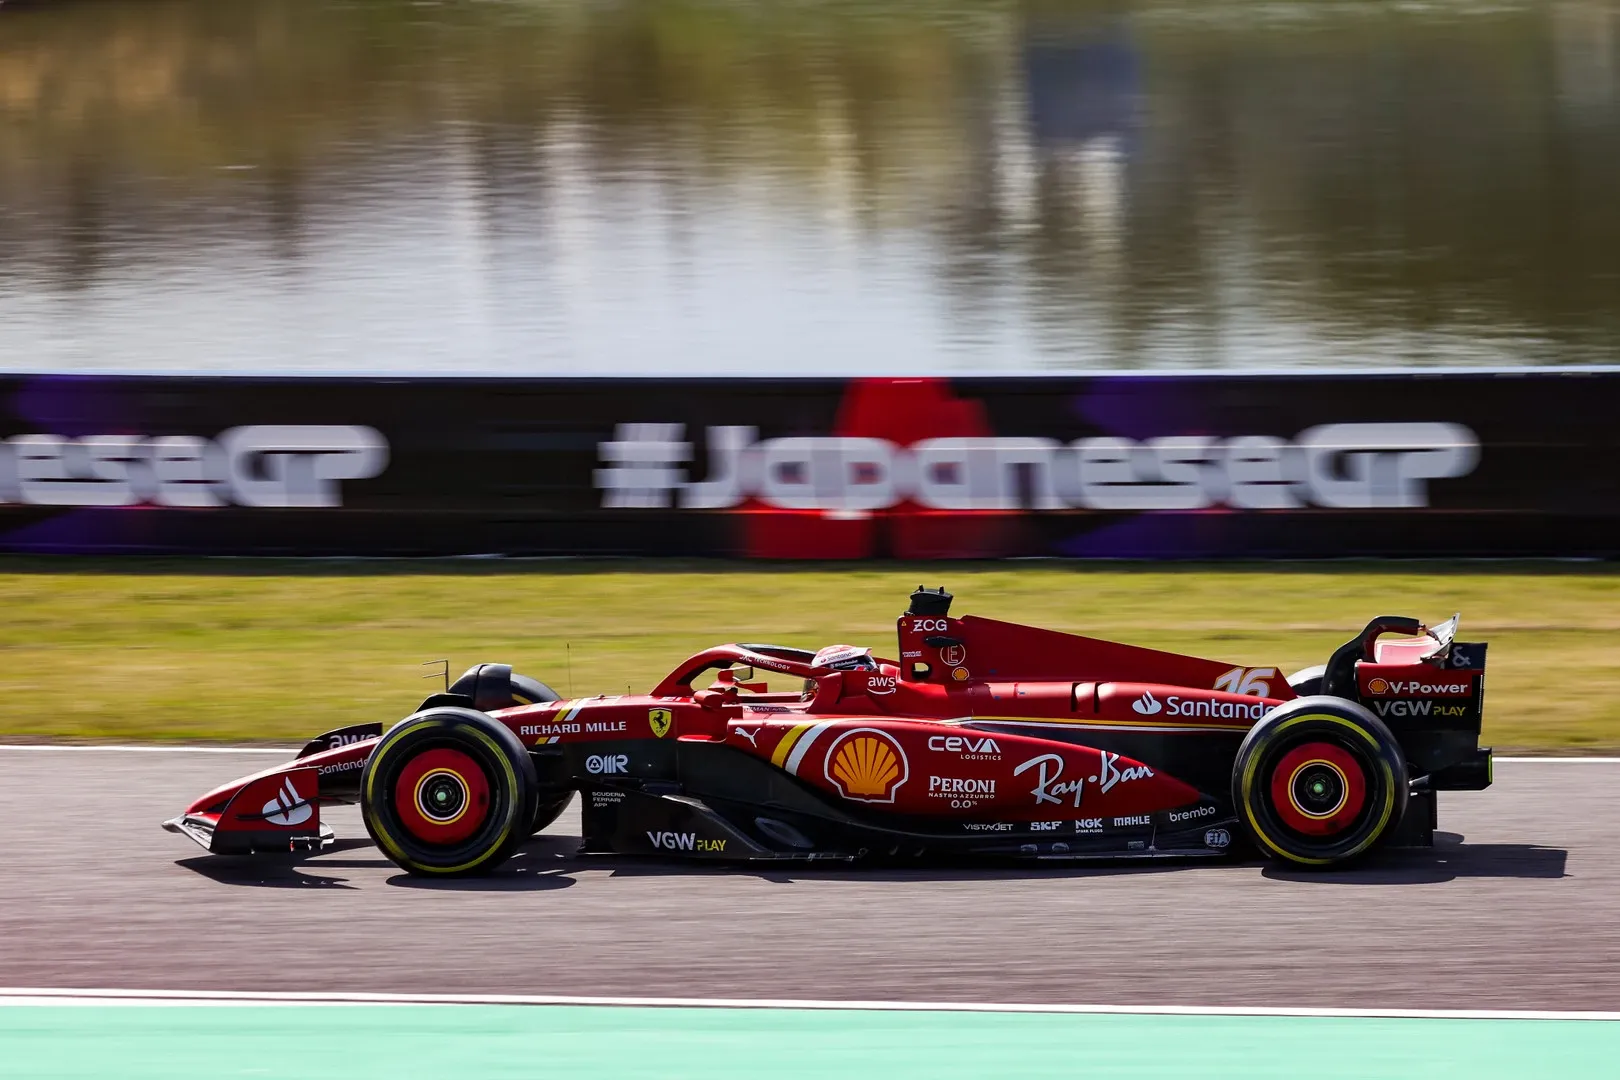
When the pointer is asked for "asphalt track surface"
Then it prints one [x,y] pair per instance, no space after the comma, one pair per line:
[1515,910]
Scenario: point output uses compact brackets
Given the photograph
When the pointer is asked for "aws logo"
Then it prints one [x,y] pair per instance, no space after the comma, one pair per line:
[880,684]
[867,765]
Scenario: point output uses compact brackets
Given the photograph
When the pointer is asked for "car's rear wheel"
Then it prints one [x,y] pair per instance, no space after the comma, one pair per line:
[1319,782]
[1307,681]
[448,791]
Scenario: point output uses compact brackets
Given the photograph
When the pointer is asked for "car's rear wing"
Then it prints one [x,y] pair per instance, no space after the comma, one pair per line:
[1430,692]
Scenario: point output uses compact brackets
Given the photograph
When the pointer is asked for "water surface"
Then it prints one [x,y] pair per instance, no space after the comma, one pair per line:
[699,186]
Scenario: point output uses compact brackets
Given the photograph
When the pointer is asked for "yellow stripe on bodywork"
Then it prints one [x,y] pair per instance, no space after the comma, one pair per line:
[785,747]
[1094,721]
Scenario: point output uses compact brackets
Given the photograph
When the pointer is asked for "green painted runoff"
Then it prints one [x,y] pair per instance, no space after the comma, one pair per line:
[312,1042]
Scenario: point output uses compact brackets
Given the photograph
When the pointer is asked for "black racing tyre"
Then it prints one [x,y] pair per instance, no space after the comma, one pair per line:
[1319,782]
[1307,681]
[531,691]
[448,791]
[548,810]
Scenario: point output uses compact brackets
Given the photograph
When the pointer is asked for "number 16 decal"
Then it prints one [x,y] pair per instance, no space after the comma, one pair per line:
[1240,680]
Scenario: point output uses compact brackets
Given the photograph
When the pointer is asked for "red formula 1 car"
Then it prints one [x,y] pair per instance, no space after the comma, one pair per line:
[984,739]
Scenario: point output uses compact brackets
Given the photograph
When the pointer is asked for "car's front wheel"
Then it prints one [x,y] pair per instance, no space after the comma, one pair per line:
[449,791]
[1319,782]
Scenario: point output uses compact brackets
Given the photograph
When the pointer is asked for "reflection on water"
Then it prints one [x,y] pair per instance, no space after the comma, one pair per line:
[767,186]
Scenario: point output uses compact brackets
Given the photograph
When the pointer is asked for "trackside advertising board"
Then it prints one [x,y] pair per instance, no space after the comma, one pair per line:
[1455,465]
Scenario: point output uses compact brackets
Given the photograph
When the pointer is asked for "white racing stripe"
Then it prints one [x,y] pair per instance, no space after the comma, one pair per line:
[800,748]
[50,996]
[288,751]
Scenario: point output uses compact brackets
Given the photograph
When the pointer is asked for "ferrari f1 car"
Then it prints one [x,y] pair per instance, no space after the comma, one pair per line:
[983,739]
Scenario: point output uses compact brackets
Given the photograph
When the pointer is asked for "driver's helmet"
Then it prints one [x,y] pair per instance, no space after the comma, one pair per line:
[845,658]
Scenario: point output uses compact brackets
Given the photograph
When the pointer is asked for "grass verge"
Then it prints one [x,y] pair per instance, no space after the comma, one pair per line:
[271,651]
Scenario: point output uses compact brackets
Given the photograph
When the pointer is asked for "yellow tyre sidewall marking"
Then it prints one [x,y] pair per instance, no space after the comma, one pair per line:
[1389,790]
[386,839]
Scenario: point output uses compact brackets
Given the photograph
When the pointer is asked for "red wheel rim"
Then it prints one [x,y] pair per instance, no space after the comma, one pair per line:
[1318,788]
[442,796]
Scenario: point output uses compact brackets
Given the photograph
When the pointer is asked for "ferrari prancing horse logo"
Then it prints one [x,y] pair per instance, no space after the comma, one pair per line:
[659,720]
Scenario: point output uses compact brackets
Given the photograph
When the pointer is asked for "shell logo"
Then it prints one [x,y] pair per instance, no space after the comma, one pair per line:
[1377,686]
[867,765]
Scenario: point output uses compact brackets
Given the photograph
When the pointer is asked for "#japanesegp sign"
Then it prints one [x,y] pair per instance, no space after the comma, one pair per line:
[260,465]
[1101,466]
[1359,466]
[915,468]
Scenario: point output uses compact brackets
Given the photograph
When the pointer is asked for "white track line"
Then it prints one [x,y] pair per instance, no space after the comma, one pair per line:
[47,996]
[155,749]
